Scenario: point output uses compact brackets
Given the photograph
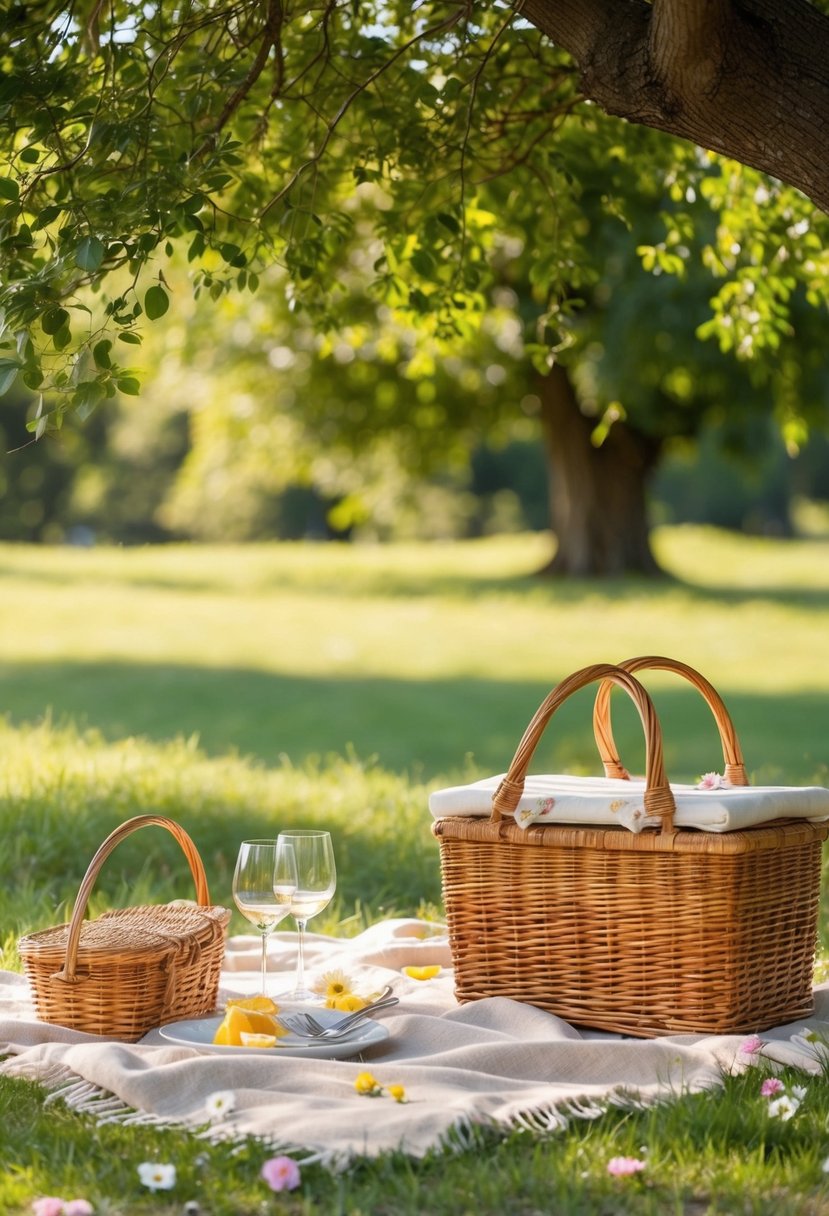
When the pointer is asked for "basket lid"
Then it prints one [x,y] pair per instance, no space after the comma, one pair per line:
[148,930]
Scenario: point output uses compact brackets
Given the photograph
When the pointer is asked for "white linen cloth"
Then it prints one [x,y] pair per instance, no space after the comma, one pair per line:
[493,1062]
[560,798]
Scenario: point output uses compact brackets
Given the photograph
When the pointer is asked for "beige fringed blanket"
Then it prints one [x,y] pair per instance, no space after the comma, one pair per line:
[494,1062]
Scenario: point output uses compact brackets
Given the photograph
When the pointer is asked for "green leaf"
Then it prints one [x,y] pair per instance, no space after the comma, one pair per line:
[33,379]
[129,385]
[449,222]
[62,338]
[30,155]
[100,353]
[53,320]
[156,302]
[8,375]
[9,189]
[90,252]
[46,215]
[130,338]
[193,204]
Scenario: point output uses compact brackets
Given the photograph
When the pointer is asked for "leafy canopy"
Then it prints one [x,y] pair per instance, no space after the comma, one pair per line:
[414,145]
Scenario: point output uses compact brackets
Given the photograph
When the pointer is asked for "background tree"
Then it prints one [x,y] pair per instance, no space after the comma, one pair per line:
[239,131]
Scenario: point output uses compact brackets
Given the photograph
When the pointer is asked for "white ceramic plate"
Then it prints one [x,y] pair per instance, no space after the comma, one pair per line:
[199,1032]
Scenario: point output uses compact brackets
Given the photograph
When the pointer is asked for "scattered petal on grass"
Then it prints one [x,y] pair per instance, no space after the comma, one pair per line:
[622,1167]
[771,1086]
[281,1174]
[49,1205]
[220,1103]
[156,1176]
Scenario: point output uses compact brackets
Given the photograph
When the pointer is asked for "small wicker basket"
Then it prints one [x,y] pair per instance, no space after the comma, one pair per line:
[132,968]
[663,932]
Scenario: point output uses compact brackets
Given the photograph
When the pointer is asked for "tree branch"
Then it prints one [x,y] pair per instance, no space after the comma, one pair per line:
[745,78]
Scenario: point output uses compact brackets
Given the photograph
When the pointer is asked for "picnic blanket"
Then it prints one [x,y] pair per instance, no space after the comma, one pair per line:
[494,1062]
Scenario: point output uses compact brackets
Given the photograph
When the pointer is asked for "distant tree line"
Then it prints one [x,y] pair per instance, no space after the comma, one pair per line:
[96,484]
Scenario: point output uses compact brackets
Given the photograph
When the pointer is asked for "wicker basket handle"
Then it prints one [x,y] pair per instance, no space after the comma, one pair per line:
[735,769]
[659,800]
[112,841]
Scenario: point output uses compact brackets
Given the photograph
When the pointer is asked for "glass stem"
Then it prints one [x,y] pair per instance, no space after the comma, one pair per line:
[300,961]
[264,964]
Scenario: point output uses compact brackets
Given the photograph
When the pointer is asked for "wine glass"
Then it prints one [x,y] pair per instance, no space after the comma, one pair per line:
[305,879]
[253,892]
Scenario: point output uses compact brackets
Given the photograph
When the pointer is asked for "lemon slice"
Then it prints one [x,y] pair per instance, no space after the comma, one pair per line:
[250,1039]
[258,1004]
[422,973]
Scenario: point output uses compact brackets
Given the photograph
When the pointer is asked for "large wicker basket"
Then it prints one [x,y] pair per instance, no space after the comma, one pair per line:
[662,932]
[133,968]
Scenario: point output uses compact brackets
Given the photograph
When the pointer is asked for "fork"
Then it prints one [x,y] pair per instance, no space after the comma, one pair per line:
[347,1024]
[307,1025]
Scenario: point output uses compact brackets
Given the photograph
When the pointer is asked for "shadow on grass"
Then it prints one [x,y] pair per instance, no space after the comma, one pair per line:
[459,727]
[354,580]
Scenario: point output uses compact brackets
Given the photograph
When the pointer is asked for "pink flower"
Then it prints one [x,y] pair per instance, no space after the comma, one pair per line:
[281,1174]
[621,1167]
[712,781]
[771,1085]
[48,1206]
[750,1048]
[78,1207]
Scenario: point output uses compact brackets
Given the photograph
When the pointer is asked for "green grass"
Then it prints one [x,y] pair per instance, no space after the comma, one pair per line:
[243,690]
[420,656]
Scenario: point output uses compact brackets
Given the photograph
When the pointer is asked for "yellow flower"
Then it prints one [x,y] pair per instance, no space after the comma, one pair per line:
[366,1084]
[397,1092]
[334,984]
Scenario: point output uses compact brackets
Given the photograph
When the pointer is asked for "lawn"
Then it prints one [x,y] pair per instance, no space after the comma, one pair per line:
[243,690]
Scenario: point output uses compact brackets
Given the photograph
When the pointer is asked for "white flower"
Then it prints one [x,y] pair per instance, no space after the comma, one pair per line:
[157,1177]
[333,984]
[825,1166]
[220,1103]
[798,1092]
[783,1107]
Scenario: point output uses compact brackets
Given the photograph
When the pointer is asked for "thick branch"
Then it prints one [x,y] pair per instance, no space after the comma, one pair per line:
[746,78]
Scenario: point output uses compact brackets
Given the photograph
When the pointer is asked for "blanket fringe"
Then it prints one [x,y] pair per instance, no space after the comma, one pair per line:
[466,1134]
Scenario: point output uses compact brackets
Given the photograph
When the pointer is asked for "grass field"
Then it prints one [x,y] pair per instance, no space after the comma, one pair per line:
[427,658]
[243,690]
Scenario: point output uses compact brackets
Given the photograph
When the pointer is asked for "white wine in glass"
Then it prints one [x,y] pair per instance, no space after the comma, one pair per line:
[305,880]
[253,892]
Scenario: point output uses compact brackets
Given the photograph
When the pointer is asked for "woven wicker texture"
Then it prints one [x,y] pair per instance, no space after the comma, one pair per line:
[663,932]
[133,968]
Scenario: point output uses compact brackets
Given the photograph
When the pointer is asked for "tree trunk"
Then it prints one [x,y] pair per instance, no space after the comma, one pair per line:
[598,508]
[746,78]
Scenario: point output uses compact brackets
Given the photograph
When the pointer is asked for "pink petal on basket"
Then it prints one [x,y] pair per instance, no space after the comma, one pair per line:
[711,781]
